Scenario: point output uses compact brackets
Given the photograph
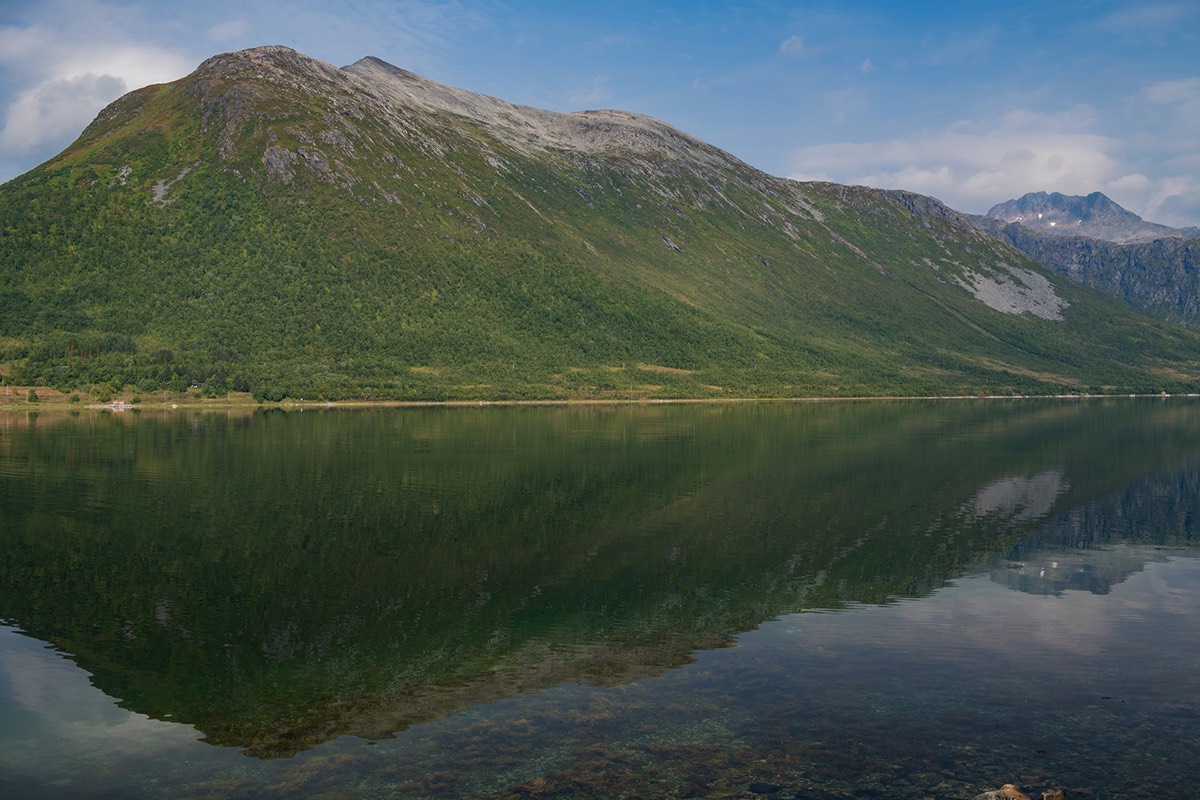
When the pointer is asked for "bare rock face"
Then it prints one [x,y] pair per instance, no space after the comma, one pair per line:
[1090,240]
[528,128]
[1000,286]
[234,88]
[1160,277]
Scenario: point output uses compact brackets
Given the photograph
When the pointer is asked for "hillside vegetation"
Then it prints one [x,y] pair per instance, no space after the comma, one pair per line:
[273,224]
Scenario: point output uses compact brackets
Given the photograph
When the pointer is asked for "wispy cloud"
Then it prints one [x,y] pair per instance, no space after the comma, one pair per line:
[415,32]
[1184,94]
[1140,18]
[844,103]
[793,45]
[229,30]
[611,41]
[591,95]
[963,47]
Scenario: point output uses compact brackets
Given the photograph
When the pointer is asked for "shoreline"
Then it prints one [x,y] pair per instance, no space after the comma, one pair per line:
[58,404]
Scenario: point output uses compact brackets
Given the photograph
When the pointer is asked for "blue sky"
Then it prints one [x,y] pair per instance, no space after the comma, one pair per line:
[971,102]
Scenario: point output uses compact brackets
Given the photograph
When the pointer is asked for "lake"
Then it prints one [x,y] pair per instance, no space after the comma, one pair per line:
[920,599]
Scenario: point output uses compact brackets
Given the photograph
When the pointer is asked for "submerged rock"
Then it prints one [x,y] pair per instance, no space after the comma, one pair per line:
[1005,792]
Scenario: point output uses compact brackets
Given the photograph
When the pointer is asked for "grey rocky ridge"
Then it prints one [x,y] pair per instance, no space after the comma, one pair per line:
[1096,242]
[275,224]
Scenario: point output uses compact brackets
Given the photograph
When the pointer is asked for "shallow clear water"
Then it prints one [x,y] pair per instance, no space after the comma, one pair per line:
[780,600]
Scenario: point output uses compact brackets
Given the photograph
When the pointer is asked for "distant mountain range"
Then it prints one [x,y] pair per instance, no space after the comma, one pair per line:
[1094,216]
[1098,243]
[275,224]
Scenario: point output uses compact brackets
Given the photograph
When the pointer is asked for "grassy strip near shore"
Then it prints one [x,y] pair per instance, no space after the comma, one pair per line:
[44,398]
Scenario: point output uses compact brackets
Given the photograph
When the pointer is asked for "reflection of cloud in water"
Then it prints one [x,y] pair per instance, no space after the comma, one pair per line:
[1071,626]
[1063,628]
[1019,499]
[72,715]
[46,684]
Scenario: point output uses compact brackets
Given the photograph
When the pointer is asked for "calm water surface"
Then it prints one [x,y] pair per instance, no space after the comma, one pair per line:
[900,600]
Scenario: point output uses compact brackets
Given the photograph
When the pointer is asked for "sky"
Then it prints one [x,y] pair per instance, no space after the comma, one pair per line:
[971,102]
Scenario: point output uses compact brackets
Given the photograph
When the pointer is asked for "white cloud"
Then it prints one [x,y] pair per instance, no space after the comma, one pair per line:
[1133,182]
[67,61]
[137,65]
[1170,111]
[791,46]
[968,170]
[74,84]
[18,45]
[1166,92]
[972,166]
[56,109]
[1174,200]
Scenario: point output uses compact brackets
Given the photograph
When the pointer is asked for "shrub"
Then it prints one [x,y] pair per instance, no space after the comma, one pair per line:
[269,394]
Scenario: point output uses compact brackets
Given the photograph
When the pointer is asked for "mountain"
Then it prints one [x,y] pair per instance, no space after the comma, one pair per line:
[1098,243]
[275,224]
[1094,216]
[1160,277]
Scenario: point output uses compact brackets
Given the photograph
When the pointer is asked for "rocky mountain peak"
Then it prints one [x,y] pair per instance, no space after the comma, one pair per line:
[534,129]
[272,62]
[1094,216]
[365,105]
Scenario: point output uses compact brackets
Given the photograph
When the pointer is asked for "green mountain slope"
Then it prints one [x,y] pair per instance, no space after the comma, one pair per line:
[276,224]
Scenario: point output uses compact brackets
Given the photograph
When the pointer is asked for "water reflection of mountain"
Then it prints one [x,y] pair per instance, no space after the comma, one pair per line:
[1096,545]
[277,580]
